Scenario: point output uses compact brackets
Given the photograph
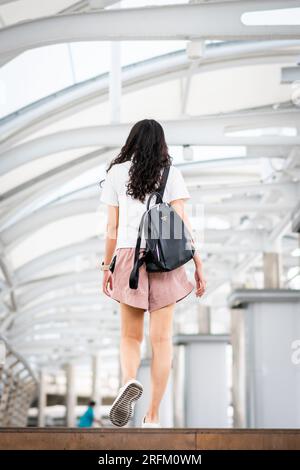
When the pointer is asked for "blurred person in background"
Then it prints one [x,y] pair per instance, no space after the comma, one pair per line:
[88,419]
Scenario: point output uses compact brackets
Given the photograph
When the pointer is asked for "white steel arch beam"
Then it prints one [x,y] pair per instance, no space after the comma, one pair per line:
[282,227]
[46,146]
[80,329]
[69,345]
[206,130]
[69,342]
[289,189]
[47,215]
[62,352]
[279,229]
[86,311]
[36,188]
[54,212]
[93,246]
[190,21]
[246,120]
[31,270]
[56,283]
[7,271]
[84,314]
[23,209]
[32,118]
[18,231]
[2,2]
[17,334]
[92,276]
[86,5]
[73,326]
[37,191]
[46,181]
[66,301]
[57,176]
[85,333]
[245,207]
[42,190]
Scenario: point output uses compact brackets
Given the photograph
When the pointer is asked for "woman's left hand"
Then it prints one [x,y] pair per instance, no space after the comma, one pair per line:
[200,282]
[107,281]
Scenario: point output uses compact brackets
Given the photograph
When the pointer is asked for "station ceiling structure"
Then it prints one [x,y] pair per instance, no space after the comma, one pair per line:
[226,88]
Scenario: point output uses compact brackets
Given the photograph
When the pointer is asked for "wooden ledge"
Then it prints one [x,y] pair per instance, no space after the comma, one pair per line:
[144,439]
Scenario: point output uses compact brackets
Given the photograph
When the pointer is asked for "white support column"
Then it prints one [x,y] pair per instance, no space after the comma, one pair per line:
[42,399]
[115,78]
[96,388]
[203,314]
[203,389]
[266,379]
[272,266]
[70,395]
[2,352]
[271,263]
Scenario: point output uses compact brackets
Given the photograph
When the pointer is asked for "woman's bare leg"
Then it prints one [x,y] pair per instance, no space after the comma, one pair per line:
[132,325]
[161,332]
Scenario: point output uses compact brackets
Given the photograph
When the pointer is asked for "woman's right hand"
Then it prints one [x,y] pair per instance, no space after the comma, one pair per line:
[200,282]
[107,281]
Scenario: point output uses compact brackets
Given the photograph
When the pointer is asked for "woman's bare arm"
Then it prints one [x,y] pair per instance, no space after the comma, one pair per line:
[110,245]
[111,233]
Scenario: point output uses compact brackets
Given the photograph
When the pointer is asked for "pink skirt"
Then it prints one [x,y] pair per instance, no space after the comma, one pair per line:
[155,290]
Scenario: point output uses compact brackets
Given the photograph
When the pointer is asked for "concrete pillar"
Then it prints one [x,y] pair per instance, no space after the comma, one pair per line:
[96,386]
[238,341]
[203,317]
[42,398]
[115,78]
[266,378]
[70,395]
[2,353]
[272,265]
[203,386]
[179,386]
[272,270]
[120,378]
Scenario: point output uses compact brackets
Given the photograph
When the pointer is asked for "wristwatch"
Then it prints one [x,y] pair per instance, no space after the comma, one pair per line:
[104,267]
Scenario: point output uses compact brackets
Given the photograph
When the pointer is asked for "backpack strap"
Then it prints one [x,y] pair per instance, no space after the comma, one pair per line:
[134,275]
[163,182]
[137,263]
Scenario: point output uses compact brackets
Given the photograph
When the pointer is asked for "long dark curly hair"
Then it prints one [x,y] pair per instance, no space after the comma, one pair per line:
[147,149]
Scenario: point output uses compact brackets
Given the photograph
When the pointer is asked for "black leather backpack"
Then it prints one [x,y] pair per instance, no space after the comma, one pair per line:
[168,241]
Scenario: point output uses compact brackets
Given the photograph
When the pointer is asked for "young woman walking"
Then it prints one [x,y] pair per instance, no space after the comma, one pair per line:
[130,178]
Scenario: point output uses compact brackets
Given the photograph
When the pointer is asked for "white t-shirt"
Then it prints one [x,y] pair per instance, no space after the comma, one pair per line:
[130,209]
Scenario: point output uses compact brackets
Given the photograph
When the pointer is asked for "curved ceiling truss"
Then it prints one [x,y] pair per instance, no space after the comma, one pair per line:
[190,21]
[34,303]
[37,116]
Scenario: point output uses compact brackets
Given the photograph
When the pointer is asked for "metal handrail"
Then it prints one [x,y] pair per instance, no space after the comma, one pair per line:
[20,358]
